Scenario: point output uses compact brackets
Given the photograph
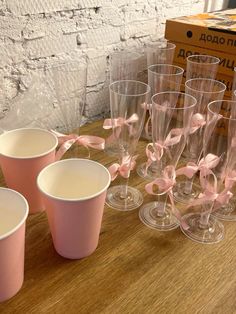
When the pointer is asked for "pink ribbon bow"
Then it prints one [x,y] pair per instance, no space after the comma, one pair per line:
[158,148]
[118,123]
[128,163]
[165,186]
[197,122]
[210,194]
[209,162]
[66,141]
[174,135]
[172,138]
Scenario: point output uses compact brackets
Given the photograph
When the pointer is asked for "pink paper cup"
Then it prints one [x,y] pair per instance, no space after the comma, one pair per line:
[23,154]
[13,213]
[74,192]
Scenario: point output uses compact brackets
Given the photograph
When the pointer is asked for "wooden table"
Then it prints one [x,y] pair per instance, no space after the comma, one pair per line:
[134,269]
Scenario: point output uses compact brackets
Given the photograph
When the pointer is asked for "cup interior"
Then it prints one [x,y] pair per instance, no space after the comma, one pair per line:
[74,179]
[13,211]
[27,143]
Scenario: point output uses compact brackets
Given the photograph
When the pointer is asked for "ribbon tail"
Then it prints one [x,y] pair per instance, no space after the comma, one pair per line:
[147,126]
[88,156]
[176,212]
[91,141]
[149,188]
[113,169]
[63,149]
[223,199]
[107,124]
[193,129]
[59,154]
[125,174]
[150,158]
[147,165]
[60,136]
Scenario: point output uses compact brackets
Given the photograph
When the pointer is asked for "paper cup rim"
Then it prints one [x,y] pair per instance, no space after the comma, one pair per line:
[34,156]
[74,199]
[23,219]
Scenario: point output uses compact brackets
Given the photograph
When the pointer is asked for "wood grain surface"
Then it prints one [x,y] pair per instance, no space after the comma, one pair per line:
[134,269]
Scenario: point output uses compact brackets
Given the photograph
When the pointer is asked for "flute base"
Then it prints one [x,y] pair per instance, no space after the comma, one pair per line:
[150,215]
[123,198]
[151,173]
[210,234]
[226,212]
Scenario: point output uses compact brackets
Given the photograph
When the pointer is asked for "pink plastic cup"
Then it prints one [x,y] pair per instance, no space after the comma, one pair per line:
[23,154]
[74,192]
[13,213]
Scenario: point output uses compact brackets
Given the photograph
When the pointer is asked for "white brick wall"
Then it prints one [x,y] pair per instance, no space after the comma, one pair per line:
[34,32]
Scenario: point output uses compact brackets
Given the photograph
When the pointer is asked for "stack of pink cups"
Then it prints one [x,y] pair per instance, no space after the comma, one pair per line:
[73,205]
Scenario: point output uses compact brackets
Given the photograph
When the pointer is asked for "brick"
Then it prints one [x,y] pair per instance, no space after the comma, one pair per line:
[140,29]
[102,36]
[50,45]
[40,27]
[111,16]
[11,27]
[11,53]
[3,7]
[46,6]
[40,6]
[46,37]
[70,28]
[134,16]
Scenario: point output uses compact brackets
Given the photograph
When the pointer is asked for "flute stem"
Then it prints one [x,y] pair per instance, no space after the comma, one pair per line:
[161,205]
[188,186]
[124,189]
[204,219]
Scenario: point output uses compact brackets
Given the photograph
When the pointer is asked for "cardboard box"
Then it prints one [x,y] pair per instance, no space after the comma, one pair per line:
[227,61]
[214,31]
